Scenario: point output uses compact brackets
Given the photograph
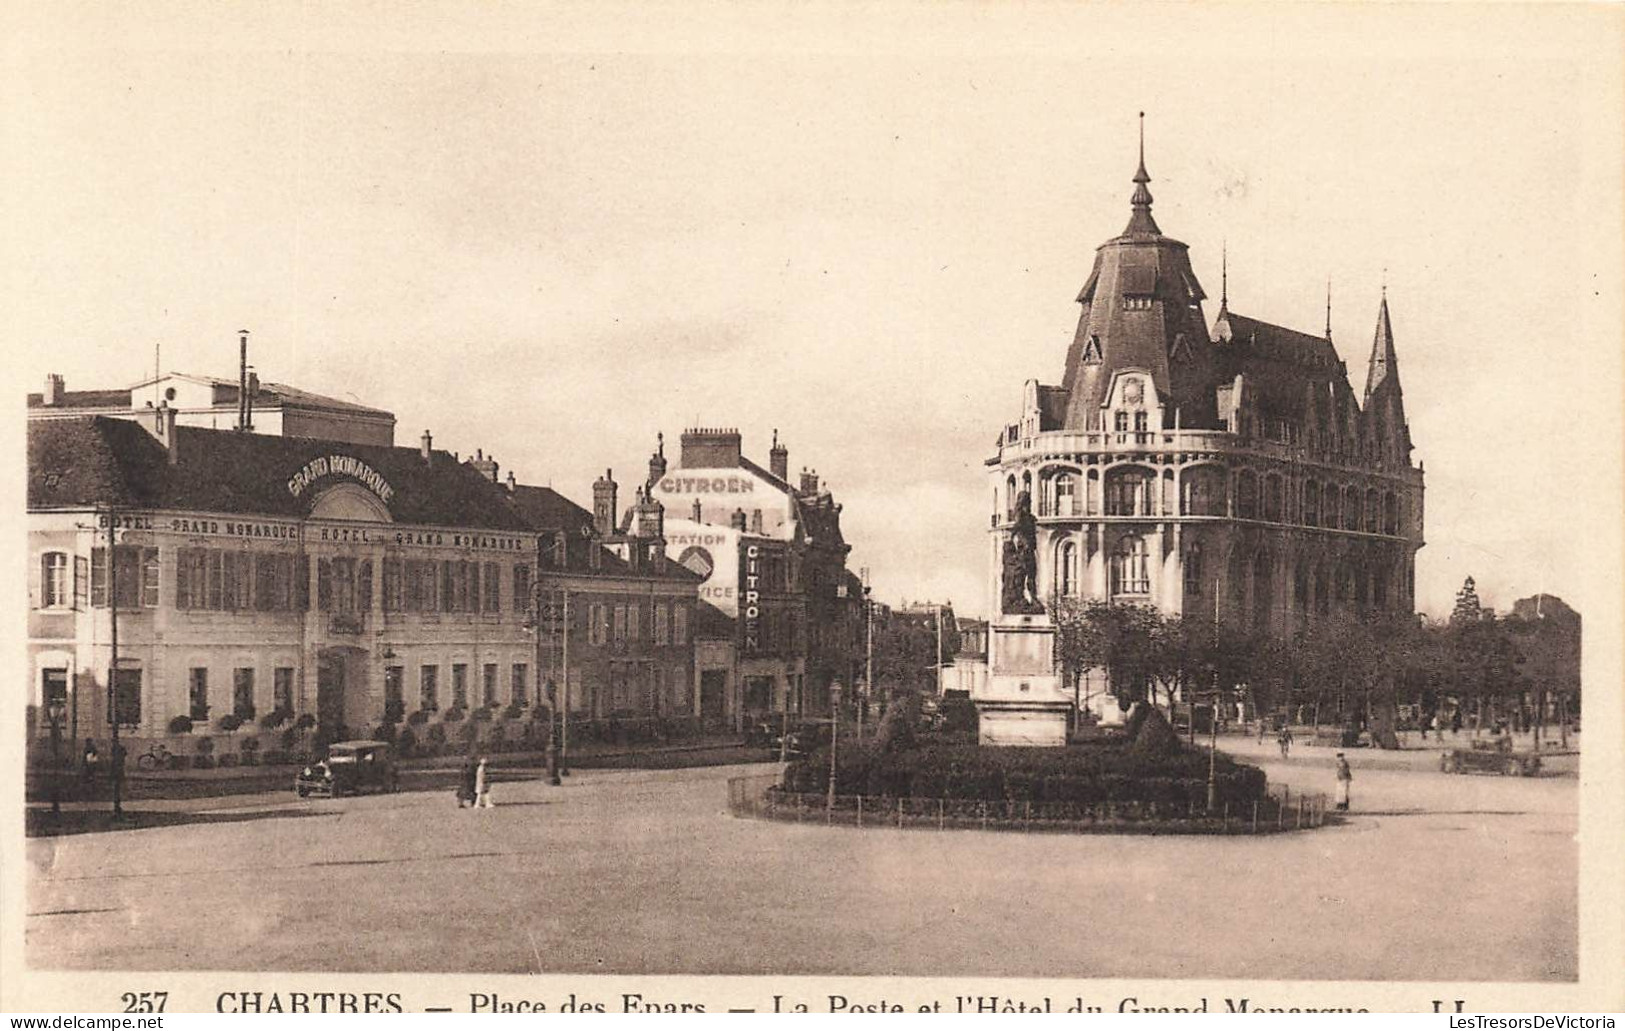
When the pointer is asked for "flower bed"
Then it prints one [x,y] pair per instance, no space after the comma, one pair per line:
[1100,772]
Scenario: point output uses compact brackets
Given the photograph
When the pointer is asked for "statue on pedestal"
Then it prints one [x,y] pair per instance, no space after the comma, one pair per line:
[1020,580]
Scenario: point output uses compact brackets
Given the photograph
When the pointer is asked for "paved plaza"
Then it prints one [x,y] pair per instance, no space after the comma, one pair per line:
[1433,877]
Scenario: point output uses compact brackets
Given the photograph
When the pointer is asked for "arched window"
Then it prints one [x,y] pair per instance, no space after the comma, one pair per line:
[1351,509]
[1193,571]
[1345,584]
[1272,498]
[1010,498]
[1263,588]
[1246,495]
[1236,574]
[1390,514]
[1311,503]
[1373,511]
[1092,487]
[56,586]
[1203,491]
[1128,493]
[1066,495]
[1131,568]
[1066,569]
[1166,502]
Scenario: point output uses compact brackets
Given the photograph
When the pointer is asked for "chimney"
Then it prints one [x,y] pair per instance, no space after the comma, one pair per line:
[242,380]
[486,465]
[651,521]
[778,459]
[756,521]
[53,390]
[698,511]
[167,434]
[738,520]
[511,481]
[248,400]
[809,481]
[603,503]
[426,447]
[710,449]
[657,461]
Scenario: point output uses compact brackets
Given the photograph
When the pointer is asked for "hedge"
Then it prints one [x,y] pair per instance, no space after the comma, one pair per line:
[1099,772]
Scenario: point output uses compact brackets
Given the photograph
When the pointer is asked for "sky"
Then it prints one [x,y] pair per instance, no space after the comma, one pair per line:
[551,234]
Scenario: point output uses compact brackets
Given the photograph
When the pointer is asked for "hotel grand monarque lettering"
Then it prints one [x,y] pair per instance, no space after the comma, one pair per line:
[341,465]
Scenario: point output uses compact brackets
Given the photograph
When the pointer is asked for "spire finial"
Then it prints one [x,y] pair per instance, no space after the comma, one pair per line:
[1224,273]
[1328,307]
[1385,282]
[1141,221]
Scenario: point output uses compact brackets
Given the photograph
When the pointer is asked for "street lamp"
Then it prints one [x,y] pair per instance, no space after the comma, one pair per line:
[55,709]
[552,734]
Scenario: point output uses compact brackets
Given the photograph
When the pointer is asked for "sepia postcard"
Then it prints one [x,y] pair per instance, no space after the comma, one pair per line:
[899,507]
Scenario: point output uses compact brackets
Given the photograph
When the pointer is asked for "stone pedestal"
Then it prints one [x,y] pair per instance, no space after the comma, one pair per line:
[1021,702]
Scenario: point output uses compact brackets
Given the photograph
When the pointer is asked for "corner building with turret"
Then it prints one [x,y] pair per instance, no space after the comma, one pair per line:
[1228,472]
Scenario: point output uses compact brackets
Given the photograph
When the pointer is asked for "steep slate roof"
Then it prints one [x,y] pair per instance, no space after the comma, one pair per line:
[543,508]
[83,399]
[1279,365]
[80,462]
[712,624]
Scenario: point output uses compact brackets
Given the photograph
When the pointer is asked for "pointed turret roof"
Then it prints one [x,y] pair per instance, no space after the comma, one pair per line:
[1384,366]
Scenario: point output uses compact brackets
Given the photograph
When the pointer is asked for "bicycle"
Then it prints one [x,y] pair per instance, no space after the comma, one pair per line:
[155,758]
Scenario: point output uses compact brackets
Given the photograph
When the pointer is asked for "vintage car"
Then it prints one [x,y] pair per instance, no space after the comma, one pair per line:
[1490,760]
[804,737]
[351,767]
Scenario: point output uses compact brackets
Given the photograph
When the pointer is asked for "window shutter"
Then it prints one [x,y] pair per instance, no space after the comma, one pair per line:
[324,584]
[475,595]
[36,582]
[98,577]
[149,578]
[301,583]
[81,581]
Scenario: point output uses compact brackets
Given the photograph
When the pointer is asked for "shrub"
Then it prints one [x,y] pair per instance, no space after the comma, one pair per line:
[276,718]
[958,715]
[205,746]
[230,723]
[484,714]
[514,711]
[251,751]
[228,759]
[180,725]
[394,709]
[384,732]
[419,718]
[304,722]
[406,742]
[452,715]
[467,732]
[437,734]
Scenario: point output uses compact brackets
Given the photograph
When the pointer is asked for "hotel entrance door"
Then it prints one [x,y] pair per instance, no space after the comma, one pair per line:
[330,678]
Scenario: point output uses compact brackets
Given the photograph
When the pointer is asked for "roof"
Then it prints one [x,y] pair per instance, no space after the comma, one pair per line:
[269,395]
[711,623]
[100,460]
[543,508]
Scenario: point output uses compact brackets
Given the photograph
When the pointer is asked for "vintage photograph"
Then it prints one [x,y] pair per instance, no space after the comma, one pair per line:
[1053,493]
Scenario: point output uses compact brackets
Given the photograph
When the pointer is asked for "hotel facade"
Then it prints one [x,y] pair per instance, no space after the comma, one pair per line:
[257,579]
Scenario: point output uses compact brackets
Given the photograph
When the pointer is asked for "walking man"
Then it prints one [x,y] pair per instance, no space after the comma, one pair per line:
[468,778]
[1284,739]
[1345,777]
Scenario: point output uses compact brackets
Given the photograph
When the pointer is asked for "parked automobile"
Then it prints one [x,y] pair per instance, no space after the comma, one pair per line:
[351,767]
[804,737]
[1490,760]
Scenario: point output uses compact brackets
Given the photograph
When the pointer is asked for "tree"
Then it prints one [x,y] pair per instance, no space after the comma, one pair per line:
[1116,638]
[1467,610]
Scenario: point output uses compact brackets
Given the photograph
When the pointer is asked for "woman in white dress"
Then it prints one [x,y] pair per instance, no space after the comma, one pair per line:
[482,786]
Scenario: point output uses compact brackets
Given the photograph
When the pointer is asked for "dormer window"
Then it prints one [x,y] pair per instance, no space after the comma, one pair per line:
[1136,302]
[1091,351]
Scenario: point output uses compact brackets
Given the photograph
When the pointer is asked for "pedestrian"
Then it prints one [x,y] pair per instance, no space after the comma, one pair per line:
[466,782]
[91,763]
[482,786]
[1455,723]
[1345,777]
[1285,740]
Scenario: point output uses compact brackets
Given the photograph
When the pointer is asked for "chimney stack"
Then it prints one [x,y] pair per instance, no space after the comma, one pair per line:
[166,417]
[706,448]
[778,459]
[511,481]
[53,390]
[486,464]
[426,447]
[603,503]
[699,511]
[248,400]
[242,380]
[738,520]
[657,461]
[809,481]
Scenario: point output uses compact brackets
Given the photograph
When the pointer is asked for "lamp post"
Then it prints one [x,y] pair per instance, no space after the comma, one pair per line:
[55,709]
[834,737]
[112,666]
